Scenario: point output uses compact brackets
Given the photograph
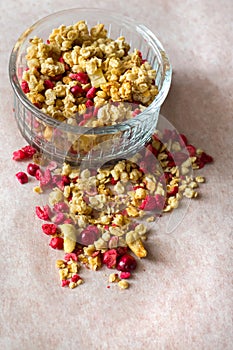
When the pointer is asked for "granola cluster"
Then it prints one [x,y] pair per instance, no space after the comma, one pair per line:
[79,70]
[100,216]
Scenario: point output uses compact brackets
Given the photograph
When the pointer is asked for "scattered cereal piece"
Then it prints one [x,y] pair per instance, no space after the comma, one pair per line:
[123,284]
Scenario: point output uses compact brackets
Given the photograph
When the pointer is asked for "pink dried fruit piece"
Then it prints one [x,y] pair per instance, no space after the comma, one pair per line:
[56,243]
[45,178]
[89,235]
[22,177]
[126,263]
[61,207]
[69,256]
[59,219]
[110,258]
[149,203]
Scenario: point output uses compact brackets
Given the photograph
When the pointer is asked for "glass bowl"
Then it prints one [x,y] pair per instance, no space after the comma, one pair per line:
[98,143]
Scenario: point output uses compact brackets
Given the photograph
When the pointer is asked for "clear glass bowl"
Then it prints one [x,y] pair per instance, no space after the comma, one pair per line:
[95,144]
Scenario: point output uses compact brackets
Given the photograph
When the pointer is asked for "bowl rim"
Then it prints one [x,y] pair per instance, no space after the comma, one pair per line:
[128,22]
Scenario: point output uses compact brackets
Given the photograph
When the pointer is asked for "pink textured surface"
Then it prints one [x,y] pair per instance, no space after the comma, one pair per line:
[181,296]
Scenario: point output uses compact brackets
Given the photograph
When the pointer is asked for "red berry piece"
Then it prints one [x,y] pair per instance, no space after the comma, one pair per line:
[56,243]
[65,283]
[127,263]
[192,150]
[32,169]
[91,93]
[125,275]
[19,155]
[43,213]
[22,177]
[48,84]
[49,229]
[76,90]
[25,87]
[29,151]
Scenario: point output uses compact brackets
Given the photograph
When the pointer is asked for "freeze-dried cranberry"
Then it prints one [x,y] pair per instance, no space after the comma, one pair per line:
[149,203]
[87,116]
[24,153]
[136,112]
[95,112]
[121,251]
[68,221]
[152,203]
[45,178]
[59,218]
[113,181]
[76,90]
[75,278]
[192,150]
[173,191]
[25,87]
[81,77]
[49,229]
[69,256]
[22,177]
[65,283]
[89,235]
[89,103]
[29,151]
[52,165]
[32,169]
[60,181]
[183,139]
[91,93]
[125,275]
[61,207]
[127,263]
[160,200]
[38,174]
[43,213]
[151,150]
[82,123]
[206,158]
[48,84]
[56,243]
[56,77]
[19,155]
[180,157]
[110,258]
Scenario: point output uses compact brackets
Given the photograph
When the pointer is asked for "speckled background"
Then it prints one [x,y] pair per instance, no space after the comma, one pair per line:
[181,296]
